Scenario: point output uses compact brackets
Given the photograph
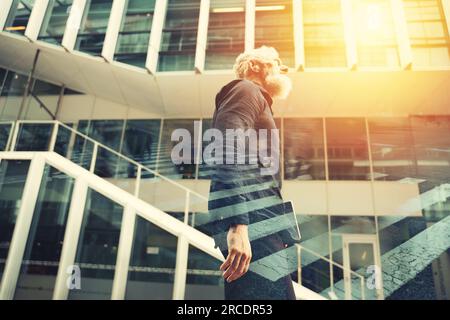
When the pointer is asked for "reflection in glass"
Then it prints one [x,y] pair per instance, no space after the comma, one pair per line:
[43,249]
[392,148]
[348,156]
[303,149]
[179,36]
[12,95]
[375,33]
[5,131]
[204,280]
[55,21]
[19,15]
[274,27]
[226,33]
[428,32]
[166,166]
[97,247]
[324,34]
[33,137]
[13,174]
[134,34]
[93,26]
[152,265]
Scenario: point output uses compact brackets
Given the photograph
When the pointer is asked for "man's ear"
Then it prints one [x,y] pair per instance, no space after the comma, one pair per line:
[256,68]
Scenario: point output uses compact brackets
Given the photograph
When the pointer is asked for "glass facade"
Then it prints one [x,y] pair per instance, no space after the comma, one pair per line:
[54,24]
[134,34]
[19,15]
[428,32]
[274,27]
[93,26]
[226,33]
[179,36]
[324,34]
[375,33]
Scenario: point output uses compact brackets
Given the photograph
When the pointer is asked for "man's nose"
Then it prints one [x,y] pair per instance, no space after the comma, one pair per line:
[284,69]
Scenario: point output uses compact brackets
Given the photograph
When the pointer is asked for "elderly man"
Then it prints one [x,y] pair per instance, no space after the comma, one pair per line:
[242,195]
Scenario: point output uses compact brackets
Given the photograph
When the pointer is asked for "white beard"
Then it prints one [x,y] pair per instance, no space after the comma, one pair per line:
[278,86]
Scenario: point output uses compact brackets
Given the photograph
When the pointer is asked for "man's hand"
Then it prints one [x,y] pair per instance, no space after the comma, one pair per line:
[239,253]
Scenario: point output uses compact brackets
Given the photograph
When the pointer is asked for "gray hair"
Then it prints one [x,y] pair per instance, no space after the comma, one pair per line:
[263,54]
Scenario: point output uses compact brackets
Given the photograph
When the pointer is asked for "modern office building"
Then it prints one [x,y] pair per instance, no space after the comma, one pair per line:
[92,207]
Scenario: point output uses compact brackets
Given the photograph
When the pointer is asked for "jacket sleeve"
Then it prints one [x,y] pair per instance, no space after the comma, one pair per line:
[228,204]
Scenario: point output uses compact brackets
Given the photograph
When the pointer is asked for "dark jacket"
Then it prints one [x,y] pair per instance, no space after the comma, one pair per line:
[242,193]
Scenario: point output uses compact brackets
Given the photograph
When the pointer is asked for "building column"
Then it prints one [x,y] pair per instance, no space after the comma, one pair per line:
[112,31]
[349,34]
[5,7]
[156,35]
[36,19]
[250,13]
[202,36]
[299,35]
[73,24]
[446,8]
[401,29]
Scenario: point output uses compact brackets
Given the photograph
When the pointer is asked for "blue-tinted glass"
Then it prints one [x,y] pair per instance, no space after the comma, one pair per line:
[54,24]
[97,247]
[348,156]
[93,27]
[304,157]
[33,137]
[179,36]
[43,250]
[19,15]
[62,144]
[5,131]
[134,34]
[82,149]
[13,174]
[152,266]
[274,26]
[226,33]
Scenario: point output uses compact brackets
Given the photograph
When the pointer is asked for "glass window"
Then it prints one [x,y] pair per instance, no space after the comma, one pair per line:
[93,26]
[19,15]
[226,33]
[134,34]
[44,244]
[42,101]
[179,36]
[428,32]
[97,247]
[5,131]
[204,170]
[166,166]
[348,156]
[304,157]
[55,21]
[33,137]
[392,148]
[324,34]
[375,33]
[12,95]
[13,174]
[152,266]
[274,27]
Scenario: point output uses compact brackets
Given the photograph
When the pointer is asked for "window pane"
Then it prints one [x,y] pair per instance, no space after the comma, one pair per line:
[304,157]
[152,267]
[93,27]
[134,34]
[55,20]
[19,15]
[33,137]
[226,33]
[274,27]
[179,37]
[13,174]
[375,33]
[348,157]
[428,32]
[97,247]
[5,131]
[324,34]
[43,249]
[392,148]
[12,95]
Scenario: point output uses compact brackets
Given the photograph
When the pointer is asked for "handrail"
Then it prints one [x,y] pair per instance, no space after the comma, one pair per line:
[95,142]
